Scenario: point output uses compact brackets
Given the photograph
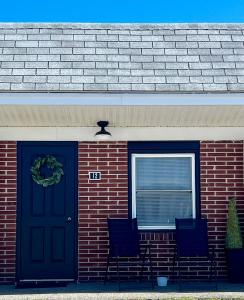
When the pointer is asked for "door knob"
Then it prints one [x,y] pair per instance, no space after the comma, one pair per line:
[69,219]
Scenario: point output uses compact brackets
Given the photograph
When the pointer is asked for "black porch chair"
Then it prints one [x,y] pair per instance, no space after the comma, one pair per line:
[124,242]
[192,242]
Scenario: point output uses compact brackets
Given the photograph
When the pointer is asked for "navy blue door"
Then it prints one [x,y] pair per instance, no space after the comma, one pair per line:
[46,217]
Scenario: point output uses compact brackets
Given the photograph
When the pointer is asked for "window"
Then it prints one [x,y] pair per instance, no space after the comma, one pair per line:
[163,188]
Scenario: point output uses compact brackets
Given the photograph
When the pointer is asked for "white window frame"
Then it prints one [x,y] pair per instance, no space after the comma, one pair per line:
[133,183]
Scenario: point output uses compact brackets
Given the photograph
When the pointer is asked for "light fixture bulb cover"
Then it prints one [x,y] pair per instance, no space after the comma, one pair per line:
[103,134]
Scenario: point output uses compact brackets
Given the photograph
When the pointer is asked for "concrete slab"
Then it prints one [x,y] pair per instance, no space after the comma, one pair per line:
[135,291]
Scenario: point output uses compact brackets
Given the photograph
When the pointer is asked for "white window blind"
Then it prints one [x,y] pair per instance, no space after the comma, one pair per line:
[163,189]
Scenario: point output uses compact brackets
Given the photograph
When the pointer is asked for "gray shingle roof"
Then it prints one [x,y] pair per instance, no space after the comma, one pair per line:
[122,57]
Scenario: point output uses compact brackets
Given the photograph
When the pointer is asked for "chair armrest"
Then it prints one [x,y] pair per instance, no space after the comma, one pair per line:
[113,249]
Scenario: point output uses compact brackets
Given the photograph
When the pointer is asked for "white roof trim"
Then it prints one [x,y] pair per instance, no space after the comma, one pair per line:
[121,99]
[121,134]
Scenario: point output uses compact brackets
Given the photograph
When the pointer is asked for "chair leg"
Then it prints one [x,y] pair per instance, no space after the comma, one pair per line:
[118,273]
[179,272]
[173,268]
[213,269]
[106,274]
[215,273]
[142,268]
[151,267]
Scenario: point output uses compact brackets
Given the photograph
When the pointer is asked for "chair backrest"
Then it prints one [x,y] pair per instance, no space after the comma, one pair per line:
[123,237]
[191,237]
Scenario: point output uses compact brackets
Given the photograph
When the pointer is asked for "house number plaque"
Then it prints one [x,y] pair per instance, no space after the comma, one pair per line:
[94,175]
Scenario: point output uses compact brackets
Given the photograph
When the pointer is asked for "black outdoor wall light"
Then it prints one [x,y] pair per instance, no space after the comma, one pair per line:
[103,134]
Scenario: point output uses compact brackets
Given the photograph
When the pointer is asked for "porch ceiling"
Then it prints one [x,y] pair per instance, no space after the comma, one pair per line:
[121,110]
[122,116]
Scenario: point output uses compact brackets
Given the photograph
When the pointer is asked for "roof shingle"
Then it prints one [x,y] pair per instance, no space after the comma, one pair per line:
[121,57]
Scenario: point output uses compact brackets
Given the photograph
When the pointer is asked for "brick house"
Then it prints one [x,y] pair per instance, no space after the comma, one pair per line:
[172,94]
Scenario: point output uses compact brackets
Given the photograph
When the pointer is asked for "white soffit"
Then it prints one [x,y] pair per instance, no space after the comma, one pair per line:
[121,110]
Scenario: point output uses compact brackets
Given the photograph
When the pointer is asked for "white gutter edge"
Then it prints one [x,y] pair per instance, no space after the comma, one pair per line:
[120,99]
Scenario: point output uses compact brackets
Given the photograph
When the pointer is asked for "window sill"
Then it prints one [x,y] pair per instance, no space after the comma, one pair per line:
[153,230]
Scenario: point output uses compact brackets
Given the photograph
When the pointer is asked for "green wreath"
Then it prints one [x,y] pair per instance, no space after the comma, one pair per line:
[51,163]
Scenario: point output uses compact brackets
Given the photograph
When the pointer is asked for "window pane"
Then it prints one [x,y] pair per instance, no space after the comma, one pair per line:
[163,173]
[161,208]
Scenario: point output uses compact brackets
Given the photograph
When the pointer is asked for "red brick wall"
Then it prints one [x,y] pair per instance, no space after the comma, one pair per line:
[98,200]
[7,211]
[221,178]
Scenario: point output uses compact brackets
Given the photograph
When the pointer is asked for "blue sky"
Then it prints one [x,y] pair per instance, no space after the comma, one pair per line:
[122,11]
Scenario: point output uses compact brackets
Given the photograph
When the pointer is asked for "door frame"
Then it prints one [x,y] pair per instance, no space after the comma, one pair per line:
[18,200]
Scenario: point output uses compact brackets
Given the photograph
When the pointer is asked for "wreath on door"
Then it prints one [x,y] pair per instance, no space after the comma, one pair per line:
[51,162]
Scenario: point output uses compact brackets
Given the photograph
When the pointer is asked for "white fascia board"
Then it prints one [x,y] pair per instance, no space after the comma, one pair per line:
[121,134]
[121,99]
